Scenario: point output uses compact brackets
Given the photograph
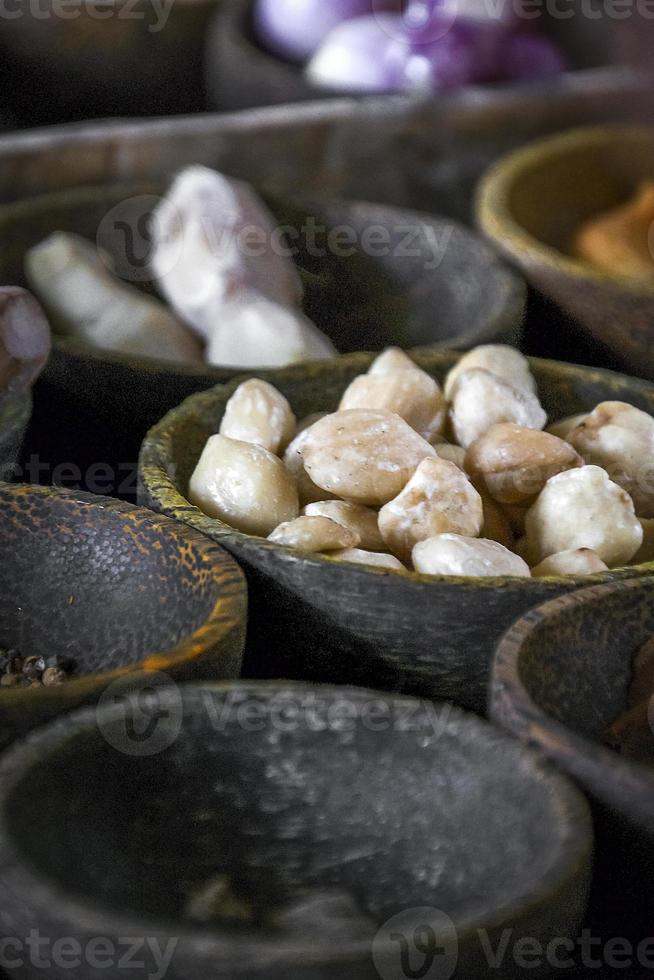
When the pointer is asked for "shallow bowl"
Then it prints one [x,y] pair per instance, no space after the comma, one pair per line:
[429,282]
[319,618]
[560,678]
[123,592]
[530,205]
[241,73]
[240,850]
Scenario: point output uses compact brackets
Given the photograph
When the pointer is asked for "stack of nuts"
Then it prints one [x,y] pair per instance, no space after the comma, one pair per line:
[457,481]
[18,671]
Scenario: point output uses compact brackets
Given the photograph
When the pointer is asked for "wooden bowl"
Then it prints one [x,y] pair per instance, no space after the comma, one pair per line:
[241,73]
[15,415]
[424,154]
[324,877]
[450,290]
[560,678]
[116,588]
[137,59]
[531,203]
[319,618]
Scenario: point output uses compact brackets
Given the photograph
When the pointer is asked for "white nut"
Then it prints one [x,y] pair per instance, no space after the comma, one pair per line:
[314,534]
[260,414]
[564,427]
[254,332]
[482,399]
[620,439]
[583,508]
[362,455]
[583,561]
[359,519]
[451,554]
[514,463]
[308,492]
[391,360]
[438,498]
[505,362]
[413,395]
[199,230]
[358,557]
[243,485]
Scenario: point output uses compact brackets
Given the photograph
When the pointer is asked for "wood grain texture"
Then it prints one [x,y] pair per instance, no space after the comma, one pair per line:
[561,675]
[120,590]
[313,617]
[267,800]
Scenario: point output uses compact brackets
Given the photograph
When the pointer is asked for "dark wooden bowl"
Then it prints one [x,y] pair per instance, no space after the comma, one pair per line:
[133,61]
[458,297]
[242,74]
[560,677]
[14,418]
[531,203]
[318,618]
[116,588]
[264,800]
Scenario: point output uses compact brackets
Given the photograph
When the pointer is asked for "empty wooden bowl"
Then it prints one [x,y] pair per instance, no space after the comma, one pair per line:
[319,618]
[435,283]
[560,678]
[287,831]
[123,59]
[532,202]
[117,589]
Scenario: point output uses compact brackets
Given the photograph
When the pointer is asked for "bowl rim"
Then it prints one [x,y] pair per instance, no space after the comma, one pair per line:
[158,490]
[231,24]
[572,858]
[494,216]
[228,615]
[509,309]
[601,770]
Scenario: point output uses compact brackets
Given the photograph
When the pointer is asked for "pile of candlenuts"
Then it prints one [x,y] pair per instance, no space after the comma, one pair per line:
[460,480]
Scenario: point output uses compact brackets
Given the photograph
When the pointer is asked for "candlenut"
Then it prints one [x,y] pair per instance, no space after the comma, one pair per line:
[583,508]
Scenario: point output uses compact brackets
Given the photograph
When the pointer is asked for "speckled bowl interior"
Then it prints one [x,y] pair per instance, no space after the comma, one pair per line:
[114,588]
[294,795]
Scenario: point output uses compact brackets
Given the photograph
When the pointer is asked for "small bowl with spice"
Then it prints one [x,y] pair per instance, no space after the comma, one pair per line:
[241,850]
[575,213]
[575,679]
[396,514]
[95,591]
